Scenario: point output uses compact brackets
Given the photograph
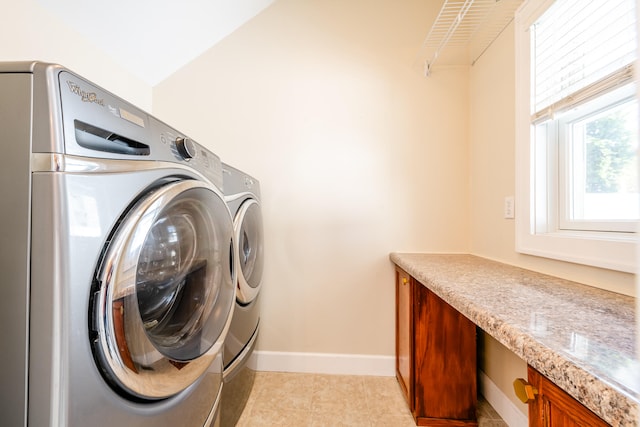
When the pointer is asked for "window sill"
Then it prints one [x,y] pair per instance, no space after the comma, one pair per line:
[614,251]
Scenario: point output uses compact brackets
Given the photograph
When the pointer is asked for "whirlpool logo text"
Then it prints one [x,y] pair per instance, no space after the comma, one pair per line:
[84,95]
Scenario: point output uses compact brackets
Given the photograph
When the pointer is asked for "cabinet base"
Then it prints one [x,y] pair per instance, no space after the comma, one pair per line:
[438,422]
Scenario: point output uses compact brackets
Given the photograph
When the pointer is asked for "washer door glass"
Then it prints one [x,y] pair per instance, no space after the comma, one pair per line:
[166,290]
[249,250]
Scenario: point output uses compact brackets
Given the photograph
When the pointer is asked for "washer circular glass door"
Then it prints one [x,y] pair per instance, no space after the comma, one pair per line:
[249,250]
[166,292]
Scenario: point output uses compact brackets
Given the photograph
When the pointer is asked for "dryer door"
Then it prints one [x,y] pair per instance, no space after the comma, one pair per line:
[249,250]
[165,291]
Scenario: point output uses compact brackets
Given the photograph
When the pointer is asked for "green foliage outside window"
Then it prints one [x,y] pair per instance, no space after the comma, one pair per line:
[611,155]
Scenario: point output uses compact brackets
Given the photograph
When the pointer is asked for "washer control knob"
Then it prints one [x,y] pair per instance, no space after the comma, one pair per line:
[186,148]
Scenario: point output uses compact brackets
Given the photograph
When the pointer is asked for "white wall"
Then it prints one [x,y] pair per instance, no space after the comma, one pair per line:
[29,32]
[357,153]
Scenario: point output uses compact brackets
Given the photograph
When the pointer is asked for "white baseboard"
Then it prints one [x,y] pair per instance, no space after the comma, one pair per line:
[508,411]
[323,363]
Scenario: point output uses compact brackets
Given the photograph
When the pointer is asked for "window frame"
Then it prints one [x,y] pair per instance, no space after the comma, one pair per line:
[537,220]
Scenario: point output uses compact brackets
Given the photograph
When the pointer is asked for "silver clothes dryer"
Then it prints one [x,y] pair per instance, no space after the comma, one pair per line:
[118,285]
[242,194]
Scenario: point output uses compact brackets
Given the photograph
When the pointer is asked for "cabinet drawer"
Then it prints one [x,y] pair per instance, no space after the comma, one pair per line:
[553,407]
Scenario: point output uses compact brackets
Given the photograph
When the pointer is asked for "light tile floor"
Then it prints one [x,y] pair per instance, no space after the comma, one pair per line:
[282,399]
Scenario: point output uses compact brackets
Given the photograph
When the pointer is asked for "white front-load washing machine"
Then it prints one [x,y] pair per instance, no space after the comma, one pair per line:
[116,253]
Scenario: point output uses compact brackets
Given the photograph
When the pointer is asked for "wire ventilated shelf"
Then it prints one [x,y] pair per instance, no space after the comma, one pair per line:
[464,29]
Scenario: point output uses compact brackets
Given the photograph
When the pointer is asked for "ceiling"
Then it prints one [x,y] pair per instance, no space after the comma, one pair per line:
[154,38]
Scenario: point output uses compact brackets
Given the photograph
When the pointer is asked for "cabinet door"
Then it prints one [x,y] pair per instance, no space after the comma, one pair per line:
[553,407]
[404,334]
[445,362]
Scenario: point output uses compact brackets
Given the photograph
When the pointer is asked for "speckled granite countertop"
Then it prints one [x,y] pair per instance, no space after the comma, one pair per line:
[580,337]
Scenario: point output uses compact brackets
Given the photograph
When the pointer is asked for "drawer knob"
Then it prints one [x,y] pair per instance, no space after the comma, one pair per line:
[525,391]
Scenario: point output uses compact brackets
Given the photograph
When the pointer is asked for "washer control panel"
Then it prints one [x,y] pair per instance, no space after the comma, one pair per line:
[99,124]
[185,150]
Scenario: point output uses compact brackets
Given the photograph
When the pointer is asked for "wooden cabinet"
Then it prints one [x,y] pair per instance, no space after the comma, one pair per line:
[404,332]
[435,356]
[553,407]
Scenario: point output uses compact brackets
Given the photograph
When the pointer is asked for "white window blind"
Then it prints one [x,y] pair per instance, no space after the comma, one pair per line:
[581,48]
